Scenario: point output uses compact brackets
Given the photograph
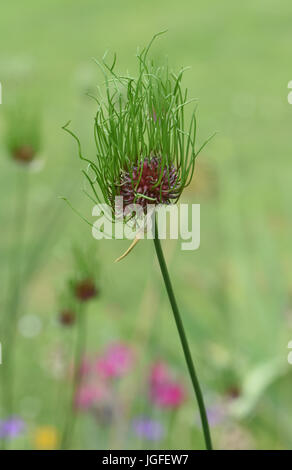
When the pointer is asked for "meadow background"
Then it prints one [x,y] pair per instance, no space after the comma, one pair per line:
[235,292]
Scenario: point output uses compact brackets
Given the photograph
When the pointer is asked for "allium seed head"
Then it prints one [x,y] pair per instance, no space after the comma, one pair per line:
[145,151]
[23,131]
[85,290]
[24,154]
[67,317]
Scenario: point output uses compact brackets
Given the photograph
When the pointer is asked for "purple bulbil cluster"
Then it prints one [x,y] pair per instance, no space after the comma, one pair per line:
[145,179]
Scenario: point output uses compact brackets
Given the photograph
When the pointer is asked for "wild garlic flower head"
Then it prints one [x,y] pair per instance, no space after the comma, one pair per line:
[84,285]
[144,150]
[23,133]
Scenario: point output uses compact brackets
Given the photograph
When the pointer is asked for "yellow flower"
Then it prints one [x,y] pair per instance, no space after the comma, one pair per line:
[46,438]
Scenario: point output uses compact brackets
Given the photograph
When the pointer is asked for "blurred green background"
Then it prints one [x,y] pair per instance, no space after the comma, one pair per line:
[235,292]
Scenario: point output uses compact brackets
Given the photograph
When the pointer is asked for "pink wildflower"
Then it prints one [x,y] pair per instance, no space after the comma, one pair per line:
[169,395]
[115,362]
[164,391]
[89,395]
[159,373]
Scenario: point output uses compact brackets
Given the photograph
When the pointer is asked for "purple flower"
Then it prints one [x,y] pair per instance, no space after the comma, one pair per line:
[11,427]
[148,428]
[217,415]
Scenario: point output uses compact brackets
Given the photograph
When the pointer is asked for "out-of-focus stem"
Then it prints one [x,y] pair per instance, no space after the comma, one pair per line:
[14,295]
[80,347]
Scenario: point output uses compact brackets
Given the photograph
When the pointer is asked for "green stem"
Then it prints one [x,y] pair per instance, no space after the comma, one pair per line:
[14,296]
[184,342]
[80,347]
[171,426]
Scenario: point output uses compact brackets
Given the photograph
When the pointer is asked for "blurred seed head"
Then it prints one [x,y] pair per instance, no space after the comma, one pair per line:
[67,317]
[86,268]
[85,290]
[24,154]
[23,131]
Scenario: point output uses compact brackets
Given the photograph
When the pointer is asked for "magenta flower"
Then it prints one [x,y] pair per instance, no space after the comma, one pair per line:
[164,391]
[115,362]
[93,387]
[169,395]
